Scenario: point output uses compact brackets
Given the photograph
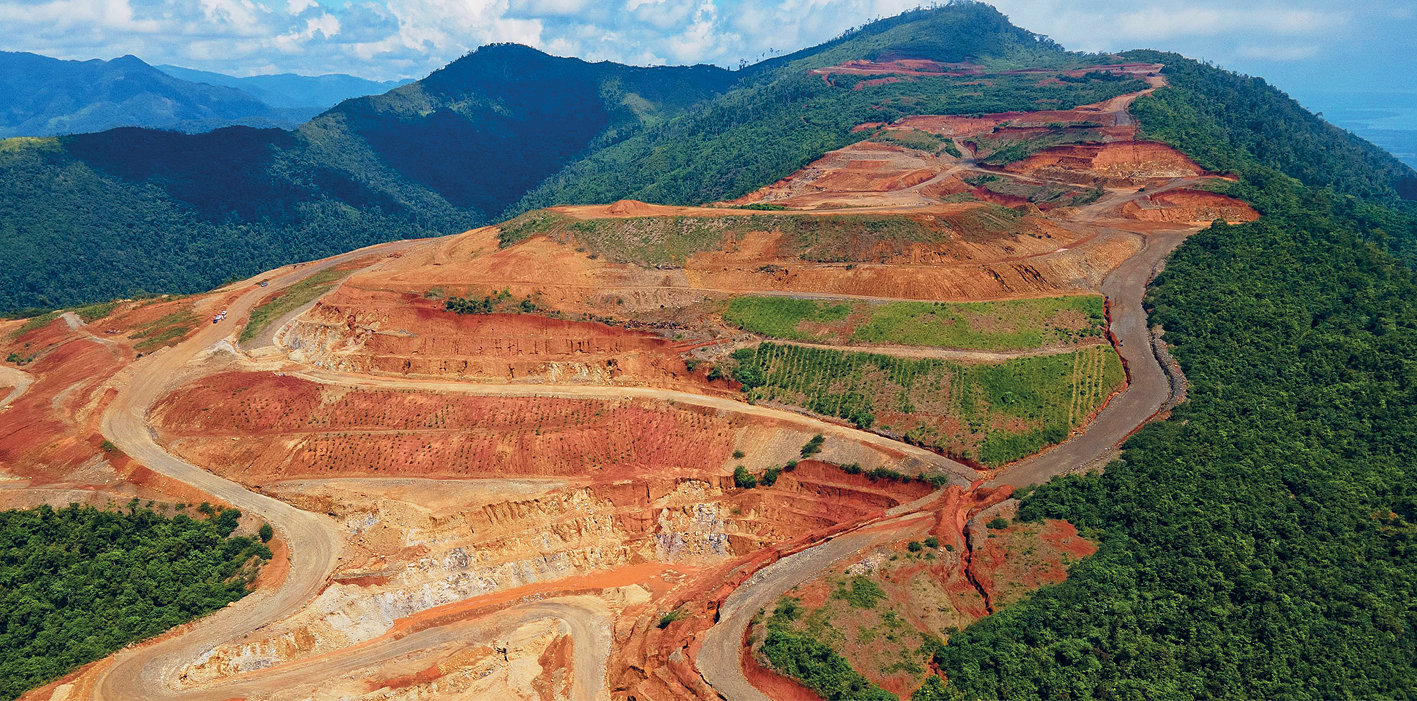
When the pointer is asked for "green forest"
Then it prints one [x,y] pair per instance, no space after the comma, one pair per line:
[1258,544]
[92,217]
[78,583]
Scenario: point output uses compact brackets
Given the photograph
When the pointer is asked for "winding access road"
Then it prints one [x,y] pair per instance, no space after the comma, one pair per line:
[148,671]
[145,671]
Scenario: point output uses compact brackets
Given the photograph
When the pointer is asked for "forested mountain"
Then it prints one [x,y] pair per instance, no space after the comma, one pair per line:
[781,116]
[1260,543]
[94,216]
[42,96]
[291,90]
[508,128]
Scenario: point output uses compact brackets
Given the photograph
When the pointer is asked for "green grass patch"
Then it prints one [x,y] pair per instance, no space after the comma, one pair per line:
[793,649]
[992,413]
[290,299]
[36,322]
[1002,152]
[915,139]
[1010,325]
[781,317]
[93,312]
[164,331]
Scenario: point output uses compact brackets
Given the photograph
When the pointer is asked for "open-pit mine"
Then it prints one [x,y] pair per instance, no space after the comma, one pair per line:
[539,461]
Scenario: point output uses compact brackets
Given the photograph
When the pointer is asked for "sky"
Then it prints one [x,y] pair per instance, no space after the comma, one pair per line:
[1303,46]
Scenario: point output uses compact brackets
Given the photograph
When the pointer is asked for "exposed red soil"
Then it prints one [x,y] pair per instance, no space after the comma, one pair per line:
[866,173]
[1023,557]
[274,572]
[1032,257]
[776,686]
[46,433]
[256,426]
[555,658]
[373,331]
[899,67]
[1118,163]
[423,676]
[1188,206]
[868,176]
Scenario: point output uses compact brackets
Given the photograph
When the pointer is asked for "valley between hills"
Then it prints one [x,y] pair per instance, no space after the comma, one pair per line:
[848,375]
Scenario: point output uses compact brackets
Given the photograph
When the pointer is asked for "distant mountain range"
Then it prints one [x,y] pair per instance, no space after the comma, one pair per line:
[45,96]
[507,129]
[290,90]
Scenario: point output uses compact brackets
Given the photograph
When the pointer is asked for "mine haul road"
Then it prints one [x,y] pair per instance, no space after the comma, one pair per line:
[147,671]
[144,671]
[720,658]
[315,543]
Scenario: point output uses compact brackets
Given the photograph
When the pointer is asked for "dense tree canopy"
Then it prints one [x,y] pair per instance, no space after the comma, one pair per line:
[78,583]
[1259,543]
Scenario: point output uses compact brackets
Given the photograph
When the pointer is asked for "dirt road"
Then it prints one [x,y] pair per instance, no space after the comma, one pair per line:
[720,658]
[144,672]
[1149,386]
[17,380]
[586,623]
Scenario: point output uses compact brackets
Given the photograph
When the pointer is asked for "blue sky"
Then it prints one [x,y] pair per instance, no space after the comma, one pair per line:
[1303,46]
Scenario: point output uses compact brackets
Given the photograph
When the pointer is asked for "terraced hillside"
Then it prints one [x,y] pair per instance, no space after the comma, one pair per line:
[775,434]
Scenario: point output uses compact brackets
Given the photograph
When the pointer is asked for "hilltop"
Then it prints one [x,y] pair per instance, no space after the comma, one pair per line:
[507,129]
[933,362]
[47,96]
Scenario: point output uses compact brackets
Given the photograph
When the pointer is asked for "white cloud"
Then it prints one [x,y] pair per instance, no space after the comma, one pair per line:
[396,38]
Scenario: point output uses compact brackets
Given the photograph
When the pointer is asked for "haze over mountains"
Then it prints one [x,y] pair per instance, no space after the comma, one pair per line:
[48,97]
[291,90]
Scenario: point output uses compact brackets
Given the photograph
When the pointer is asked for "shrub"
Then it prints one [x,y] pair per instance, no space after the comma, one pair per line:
[667,619]
[770,477]
[743,479]
[738,455]
[932,542]
[813,446]
[862,594]
[998,523]
[266,532]
[915,546]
